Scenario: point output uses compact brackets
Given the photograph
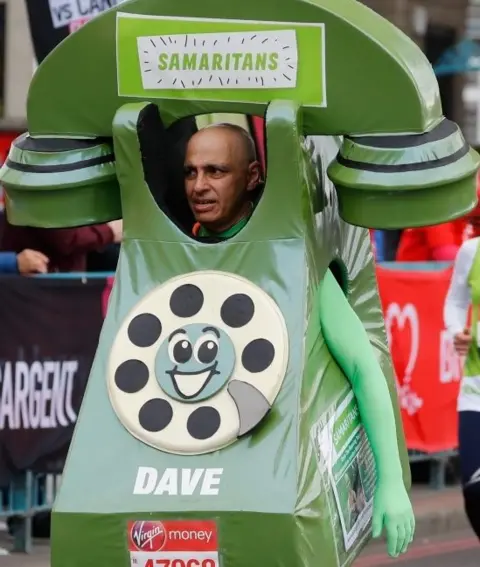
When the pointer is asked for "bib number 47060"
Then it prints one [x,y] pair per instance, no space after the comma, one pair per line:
[163,562]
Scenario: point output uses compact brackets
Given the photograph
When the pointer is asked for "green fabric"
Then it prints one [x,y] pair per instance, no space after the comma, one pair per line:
[472,363]
[340,325]
[281,499]
[234,230]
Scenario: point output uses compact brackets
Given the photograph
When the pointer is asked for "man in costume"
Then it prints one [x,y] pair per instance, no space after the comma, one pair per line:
[221,175]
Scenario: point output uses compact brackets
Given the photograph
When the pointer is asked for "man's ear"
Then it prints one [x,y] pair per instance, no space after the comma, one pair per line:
[254,175]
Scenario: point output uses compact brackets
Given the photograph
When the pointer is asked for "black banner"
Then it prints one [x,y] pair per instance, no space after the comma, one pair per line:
[49,335]
[45,36]
[51,21]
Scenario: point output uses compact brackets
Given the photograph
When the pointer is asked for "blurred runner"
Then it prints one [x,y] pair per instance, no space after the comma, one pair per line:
[439,243]
[464,292]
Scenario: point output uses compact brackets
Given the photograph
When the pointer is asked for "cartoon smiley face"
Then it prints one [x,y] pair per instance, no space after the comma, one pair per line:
[198,362]
[195,362]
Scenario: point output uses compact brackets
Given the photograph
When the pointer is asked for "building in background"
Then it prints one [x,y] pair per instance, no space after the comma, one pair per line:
[16,63]
[16,70]
[18,52]
[29,30]
[437,26]
[469,58]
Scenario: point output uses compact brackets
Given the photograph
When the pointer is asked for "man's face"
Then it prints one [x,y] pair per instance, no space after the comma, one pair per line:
[218,177]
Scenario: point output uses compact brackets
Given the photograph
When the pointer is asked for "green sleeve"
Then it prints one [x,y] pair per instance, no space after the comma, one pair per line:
[348,343]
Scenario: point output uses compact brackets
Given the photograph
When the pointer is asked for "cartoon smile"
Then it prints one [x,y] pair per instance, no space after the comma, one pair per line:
[195,362]
[189,385]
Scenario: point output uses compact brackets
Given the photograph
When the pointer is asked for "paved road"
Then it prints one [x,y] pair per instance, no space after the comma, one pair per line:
[457,550]
[39,558]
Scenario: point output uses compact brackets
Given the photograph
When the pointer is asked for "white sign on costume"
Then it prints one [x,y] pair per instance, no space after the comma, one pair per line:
[64,12]
[231,60]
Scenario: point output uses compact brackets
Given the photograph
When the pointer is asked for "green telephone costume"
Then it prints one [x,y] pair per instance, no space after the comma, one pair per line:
[235,390]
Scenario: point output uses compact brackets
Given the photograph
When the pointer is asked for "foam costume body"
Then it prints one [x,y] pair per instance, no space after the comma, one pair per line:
[226,382]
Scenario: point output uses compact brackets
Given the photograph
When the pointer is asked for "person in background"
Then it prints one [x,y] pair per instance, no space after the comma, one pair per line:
[66,248]
[463,293]
[27,262]
[439,243]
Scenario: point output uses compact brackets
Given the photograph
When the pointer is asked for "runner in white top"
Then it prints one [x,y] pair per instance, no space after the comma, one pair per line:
[459,297]
[457,304]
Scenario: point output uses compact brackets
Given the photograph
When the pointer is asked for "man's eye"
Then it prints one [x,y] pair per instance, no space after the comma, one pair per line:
[189,173]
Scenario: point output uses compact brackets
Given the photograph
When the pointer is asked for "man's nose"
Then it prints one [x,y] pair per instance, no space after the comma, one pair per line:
[201,182]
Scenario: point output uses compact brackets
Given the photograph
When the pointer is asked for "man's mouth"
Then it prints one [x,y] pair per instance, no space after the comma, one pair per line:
[203,205]
[188,385]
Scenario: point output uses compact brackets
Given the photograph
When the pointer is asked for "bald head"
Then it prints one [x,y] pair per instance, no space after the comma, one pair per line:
[220,172]
[242,138]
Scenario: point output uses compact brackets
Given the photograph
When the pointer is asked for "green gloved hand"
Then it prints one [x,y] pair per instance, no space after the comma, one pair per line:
[393,510]
[348,342]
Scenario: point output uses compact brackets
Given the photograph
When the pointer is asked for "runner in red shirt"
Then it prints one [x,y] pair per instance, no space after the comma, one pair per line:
[439,243]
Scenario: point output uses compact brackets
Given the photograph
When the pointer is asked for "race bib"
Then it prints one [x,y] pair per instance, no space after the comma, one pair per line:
[173,543]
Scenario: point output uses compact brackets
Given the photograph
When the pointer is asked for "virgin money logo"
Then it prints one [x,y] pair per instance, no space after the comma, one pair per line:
[148,536]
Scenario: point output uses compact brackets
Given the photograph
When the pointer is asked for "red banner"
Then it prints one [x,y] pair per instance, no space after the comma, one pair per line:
[428,371]
[6,139]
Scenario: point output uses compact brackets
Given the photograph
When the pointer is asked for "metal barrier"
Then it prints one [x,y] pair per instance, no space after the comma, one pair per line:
[438,465]
[27,495]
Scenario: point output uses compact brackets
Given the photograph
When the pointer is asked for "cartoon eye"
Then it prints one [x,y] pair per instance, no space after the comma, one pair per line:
[180,350]
[206,349]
